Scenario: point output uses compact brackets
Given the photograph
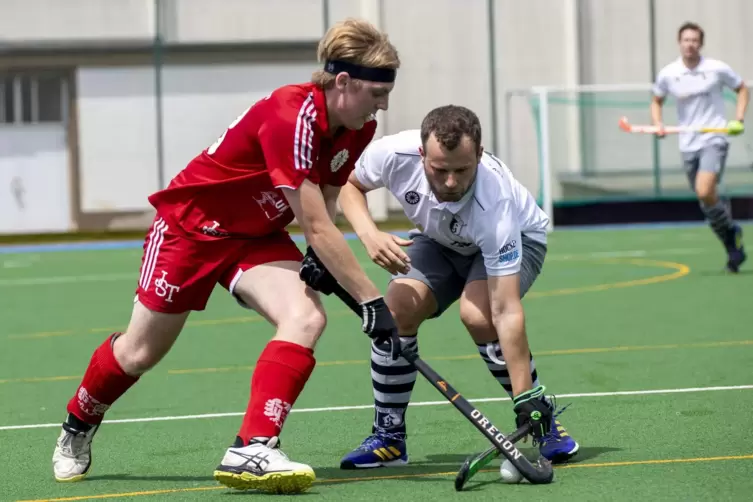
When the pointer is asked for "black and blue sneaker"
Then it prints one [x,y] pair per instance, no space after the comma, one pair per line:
[735,251]
[381,449]
[557,446]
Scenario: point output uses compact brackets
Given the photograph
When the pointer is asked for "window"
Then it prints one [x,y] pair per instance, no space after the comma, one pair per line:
[33,97]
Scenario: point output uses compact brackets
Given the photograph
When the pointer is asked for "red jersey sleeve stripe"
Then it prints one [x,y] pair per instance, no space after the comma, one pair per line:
[304,134]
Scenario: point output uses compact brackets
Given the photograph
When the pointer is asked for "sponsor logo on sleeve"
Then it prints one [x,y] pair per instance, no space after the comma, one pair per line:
[509,252]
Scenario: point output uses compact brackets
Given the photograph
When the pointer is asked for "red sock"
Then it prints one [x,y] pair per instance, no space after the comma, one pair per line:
[103,383]
[279,377]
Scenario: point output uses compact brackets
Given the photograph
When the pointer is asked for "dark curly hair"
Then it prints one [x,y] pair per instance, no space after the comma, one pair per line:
[449,124]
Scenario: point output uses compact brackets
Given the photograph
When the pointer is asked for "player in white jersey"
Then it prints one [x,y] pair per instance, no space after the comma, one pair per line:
[698,83]
[481,239]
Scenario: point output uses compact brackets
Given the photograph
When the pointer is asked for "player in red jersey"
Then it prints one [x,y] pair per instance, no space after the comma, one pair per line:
[222,220]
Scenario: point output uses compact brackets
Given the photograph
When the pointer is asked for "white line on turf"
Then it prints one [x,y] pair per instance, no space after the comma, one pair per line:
[72,279]
[419,403]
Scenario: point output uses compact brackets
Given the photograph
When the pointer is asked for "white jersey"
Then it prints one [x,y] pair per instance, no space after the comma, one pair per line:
[699,94]
[490,218]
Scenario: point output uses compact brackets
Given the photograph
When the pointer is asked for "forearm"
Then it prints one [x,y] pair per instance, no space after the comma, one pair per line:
[333,251]
[331,209]
[356,210]
[514,344]
[743,96]
[656,112]
[330,194]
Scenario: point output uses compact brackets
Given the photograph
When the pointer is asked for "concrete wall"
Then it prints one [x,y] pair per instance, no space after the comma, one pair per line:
[453,51]
[117,122]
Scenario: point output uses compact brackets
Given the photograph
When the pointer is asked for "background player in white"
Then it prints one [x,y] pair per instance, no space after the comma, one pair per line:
[698,83]
[482,240]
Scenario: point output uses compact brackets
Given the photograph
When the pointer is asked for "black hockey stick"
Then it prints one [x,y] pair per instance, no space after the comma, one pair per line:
[475,463]
[539,472]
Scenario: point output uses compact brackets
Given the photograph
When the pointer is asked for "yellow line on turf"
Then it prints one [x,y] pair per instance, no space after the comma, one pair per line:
[600,465]
[190,323]
[41,379]
[593,350]
[658,461]
[680,271]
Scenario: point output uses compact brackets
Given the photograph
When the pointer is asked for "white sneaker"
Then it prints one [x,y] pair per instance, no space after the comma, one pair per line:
[73,454]
[263,466]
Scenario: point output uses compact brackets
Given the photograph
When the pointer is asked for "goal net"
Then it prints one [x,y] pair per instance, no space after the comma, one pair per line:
[565,145]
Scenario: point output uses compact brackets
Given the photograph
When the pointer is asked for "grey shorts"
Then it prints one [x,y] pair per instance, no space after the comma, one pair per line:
[446,272]
[711,158]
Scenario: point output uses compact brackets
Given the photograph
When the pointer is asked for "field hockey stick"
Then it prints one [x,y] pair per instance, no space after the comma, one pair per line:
[475,463]
[539,472]
[652,129]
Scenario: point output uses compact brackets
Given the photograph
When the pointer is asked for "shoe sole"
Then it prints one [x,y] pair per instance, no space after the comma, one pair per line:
[276,482]
[76,478]
[734,268]
[72,479]
[561,458]
[350,466]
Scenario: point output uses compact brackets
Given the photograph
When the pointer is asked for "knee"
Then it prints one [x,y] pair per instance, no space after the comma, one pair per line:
[407,320]
[306,323]
[135,354]
[408,317]
[410,304]
[706,196]
[705,190]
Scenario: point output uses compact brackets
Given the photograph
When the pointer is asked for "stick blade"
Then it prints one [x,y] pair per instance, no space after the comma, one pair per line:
[463,474]
[624,124]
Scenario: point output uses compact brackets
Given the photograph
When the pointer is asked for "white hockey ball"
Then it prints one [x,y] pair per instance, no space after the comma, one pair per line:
[509,473]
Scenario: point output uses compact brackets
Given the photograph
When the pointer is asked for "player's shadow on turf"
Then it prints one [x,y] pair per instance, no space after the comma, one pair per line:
[432,468]
[717,273]
[132,477]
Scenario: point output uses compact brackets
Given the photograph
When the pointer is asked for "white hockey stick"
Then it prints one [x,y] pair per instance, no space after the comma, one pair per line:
[652,129]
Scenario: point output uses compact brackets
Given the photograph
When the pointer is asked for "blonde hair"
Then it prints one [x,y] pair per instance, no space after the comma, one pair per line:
[355,41]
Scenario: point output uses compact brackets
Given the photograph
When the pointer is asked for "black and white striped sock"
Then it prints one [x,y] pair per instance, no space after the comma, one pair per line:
[720,220]
[393,383]
[491,353]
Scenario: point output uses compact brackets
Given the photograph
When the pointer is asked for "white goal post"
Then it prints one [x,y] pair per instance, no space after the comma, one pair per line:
[565,145]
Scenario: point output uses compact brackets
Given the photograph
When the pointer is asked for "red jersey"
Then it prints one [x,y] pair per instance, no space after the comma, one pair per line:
[232,189]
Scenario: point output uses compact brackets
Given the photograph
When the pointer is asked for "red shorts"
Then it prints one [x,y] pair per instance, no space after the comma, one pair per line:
[179,274]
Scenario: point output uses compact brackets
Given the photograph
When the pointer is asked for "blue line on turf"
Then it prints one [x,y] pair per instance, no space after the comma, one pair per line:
[137,244]
[106,245]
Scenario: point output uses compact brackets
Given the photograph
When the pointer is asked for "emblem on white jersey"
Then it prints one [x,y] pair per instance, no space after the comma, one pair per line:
[456,225]
[339,160]
[412,198]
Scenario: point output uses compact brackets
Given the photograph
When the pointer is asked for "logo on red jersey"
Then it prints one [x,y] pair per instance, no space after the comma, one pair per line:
[214,230]
[164,289]
[339,160]
[272,204]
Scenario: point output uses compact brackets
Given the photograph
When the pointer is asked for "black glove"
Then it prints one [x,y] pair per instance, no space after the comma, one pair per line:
[315,274]
[530,408]
[380,326]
